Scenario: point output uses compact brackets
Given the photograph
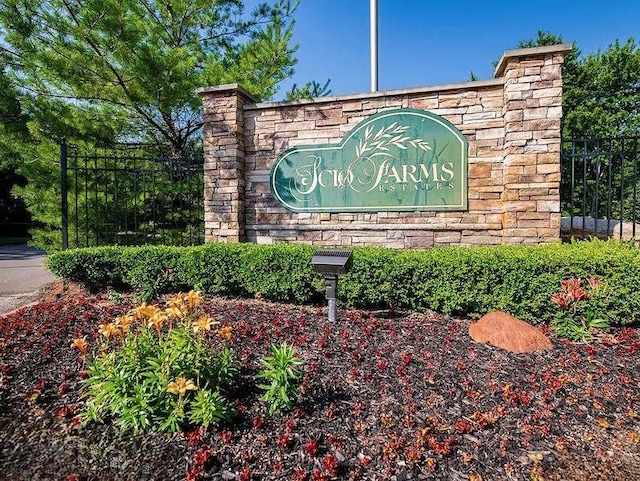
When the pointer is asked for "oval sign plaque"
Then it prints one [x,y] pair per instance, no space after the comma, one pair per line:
[396,160]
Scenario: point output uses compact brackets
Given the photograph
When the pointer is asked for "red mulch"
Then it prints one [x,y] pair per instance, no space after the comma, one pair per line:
[386,395]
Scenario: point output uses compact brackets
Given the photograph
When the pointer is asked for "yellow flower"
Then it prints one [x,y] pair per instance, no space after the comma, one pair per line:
[143,311]
[193,299]
[124,322]
[204,324]
[109,330]
[535,457]
[157,320]
[180,386]
[225,333]
[81,344]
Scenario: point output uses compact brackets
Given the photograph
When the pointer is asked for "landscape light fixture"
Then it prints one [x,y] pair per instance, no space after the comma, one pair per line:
[330,263]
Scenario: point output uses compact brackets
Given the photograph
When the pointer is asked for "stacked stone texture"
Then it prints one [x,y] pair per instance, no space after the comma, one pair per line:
[224,165]
[532,117]
[512,124]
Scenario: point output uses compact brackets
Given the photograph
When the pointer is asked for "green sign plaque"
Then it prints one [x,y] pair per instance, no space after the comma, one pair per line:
[396,160]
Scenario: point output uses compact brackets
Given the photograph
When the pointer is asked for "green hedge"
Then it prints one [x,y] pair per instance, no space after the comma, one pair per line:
[451,280]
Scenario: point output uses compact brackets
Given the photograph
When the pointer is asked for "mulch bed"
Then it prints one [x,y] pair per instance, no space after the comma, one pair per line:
[386,395]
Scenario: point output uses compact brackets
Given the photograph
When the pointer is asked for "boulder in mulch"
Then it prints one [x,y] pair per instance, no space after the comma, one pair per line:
[503,330]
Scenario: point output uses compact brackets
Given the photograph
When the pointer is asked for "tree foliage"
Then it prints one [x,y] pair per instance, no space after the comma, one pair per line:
[14,136]
[101,69]
[602,94]
[309,90]
[543,38]
[13,123]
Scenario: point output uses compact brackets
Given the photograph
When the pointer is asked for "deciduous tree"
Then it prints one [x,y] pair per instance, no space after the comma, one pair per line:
[602,93]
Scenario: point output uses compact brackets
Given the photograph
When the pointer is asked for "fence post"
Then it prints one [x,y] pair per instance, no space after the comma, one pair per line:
[64,194]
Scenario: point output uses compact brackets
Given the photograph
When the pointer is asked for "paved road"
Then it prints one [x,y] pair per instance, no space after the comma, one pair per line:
[22,276]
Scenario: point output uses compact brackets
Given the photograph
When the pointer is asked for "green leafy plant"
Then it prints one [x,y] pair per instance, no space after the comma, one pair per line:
[208,407]
[580,308]
[157,368]
[281,368]
[115,296]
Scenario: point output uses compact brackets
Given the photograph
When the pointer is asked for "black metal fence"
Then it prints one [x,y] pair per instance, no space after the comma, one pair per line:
[599,187]
[130,195]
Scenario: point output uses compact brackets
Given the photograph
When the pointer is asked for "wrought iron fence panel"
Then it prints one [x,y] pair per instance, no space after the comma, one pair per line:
[131,195]
[599,187]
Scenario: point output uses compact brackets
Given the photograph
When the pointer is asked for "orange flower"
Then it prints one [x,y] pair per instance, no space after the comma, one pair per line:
[157,320]
[177,301]
[204,324]
[109,330]
[193,299]
[144,312]
[180,386]
[81,345]
[124,322]
[225,332]
[174,312]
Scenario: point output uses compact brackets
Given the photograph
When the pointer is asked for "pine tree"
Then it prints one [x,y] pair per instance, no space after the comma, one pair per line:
[129,69]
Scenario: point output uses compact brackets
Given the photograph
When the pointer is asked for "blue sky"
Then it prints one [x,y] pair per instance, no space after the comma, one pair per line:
[427,42]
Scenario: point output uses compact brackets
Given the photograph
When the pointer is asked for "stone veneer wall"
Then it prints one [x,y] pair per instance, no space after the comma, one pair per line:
[512,124]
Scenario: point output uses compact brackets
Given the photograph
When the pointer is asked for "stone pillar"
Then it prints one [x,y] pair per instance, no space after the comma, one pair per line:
[224,162]
[532,118]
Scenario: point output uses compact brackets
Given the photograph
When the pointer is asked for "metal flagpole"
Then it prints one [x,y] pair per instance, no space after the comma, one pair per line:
[374,44]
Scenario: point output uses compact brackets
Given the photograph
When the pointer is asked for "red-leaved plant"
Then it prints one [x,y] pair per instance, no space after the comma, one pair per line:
[580,308]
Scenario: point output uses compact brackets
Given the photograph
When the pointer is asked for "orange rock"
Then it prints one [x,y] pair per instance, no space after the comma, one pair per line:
[503,330]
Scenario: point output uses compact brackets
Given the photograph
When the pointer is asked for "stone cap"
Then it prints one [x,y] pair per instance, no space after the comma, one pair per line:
[477,84]
[529,52]
[226,88]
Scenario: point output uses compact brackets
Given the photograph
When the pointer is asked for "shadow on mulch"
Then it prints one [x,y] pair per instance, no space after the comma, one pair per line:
[386,395]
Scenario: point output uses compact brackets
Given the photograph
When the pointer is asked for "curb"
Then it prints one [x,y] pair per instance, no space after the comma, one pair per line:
[29,298]
[13,311]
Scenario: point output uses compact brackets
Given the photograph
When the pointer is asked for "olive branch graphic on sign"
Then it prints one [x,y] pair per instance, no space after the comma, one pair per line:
[378,144]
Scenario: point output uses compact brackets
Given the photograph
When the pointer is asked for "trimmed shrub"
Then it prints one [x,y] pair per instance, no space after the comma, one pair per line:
[368,283]
[451,280]
[95,267]
[153,270]
[214,268]
[280,272]
[470,281]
